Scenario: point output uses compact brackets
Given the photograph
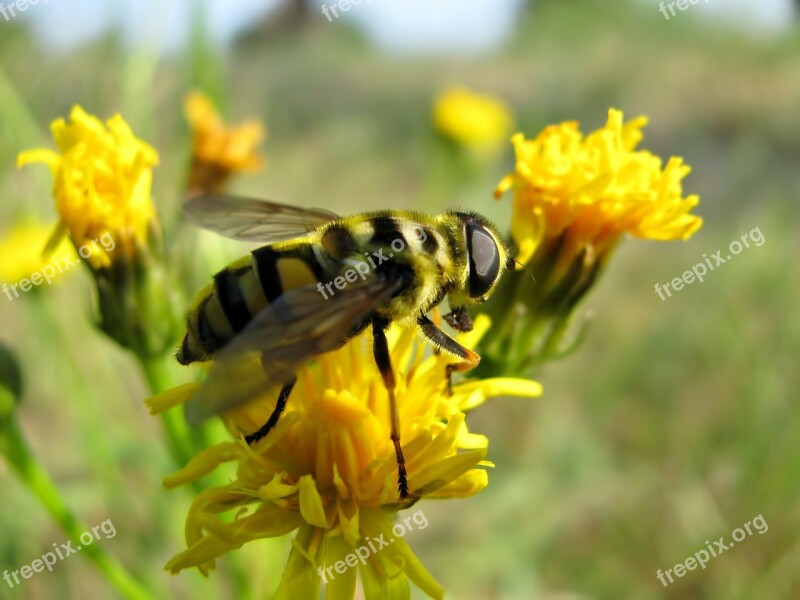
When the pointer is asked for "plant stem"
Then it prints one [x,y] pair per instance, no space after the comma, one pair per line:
[159,379]
[21,458]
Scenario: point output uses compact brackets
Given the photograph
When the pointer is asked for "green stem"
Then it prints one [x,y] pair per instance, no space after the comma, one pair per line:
[160,379]
[502,312]
[182,444]
[34,475]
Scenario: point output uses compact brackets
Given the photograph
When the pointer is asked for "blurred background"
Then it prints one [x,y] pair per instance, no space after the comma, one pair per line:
[672,424]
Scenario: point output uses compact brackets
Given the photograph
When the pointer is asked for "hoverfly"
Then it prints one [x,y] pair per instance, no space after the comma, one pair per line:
[288,301]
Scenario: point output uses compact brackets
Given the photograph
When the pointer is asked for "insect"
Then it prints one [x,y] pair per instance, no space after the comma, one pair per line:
[320,281]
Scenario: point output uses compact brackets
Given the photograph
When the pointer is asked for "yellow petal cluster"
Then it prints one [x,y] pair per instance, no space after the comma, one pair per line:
[218,151]
[328,469]
[595,188]
[477,121]
[102,179]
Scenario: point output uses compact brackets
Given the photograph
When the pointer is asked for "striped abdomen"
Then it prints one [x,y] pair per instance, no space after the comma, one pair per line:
[240,291]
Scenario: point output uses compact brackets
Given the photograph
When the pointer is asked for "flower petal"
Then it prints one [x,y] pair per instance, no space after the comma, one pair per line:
[205,462]
[343,585]
[171,398]
[299,579]
[311,502]
[441,473]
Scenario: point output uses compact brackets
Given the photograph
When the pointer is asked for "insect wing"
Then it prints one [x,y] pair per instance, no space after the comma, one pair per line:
[253,220]
[300,325]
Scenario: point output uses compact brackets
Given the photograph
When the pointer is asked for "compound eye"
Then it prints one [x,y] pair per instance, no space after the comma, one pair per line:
[484,261]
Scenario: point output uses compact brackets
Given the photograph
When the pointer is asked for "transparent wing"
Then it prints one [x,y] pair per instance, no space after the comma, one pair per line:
[253,220]
[300,325]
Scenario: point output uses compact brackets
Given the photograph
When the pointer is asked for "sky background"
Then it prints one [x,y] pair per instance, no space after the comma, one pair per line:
[397,25]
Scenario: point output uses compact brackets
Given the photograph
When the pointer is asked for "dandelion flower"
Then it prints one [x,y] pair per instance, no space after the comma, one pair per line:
[218,151]
[595,188]
[476,121]
[574,197]
[102,178]
[328,469]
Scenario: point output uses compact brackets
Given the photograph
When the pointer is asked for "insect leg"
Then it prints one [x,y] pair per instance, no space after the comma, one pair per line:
[469,359]
[458,319]
[437,320]
[280,406]
[384,362]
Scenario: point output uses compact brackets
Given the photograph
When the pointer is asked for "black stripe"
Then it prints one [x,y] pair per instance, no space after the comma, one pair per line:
[231,298]
[306,254]
[209,340]
[387,230]
[266,260]
[429,244]
[339,241]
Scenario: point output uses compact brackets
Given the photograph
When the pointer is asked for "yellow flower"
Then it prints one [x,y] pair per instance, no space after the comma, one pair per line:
[22,252]
[476,121]
[574,198]
[218,151]
[102,178]
[328,469]
[594,189]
